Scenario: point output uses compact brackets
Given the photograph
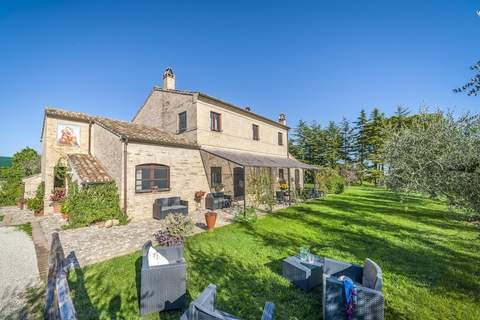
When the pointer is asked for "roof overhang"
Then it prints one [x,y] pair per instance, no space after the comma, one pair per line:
[249,159]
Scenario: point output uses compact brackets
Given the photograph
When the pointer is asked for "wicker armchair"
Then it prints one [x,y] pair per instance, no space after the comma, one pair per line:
[163,287]
[368,281]
[204,308]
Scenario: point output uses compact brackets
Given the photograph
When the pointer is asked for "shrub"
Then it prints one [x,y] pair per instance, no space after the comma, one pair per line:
[36,204]
[329,181]
[248,216]
[92,204]
[177,227]
[260,188]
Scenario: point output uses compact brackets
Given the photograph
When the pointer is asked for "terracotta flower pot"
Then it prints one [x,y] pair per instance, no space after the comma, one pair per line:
[20,204]
[57,207]
[210,218]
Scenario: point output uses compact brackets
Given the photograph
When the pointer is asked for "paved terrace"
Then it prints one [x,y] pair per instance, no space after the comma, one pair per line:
[97,243]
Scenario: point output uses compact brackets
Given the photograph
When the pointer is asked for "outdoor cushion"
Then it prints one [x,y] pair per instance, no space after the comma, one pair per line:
[163,202]
[174,201]
[155,258]
[173,208]
[372,275]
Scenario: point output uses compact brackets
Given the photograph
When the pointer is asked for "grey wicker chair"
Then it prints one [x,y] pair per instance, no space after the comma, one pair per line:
[163,287]
[203,308]
[368,281]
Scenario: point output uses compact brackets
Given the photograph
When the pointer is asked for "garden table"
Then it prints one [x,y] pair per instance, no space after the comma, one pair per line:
[305,274]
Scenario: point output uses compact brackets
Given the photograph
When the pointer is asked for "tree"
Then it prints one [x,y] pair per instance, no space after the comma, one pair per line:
[472,87]
[27,161]
[333,143]
[24,163]
[400,118]
[347,141]
[438,155]
[375,132]
[361,139]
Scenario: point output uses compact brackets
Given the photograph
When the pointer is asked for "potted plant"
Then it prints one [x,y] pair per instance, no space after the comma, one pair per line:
[20,203]
[198,199]
[176,228]
[218,187]
[57,198]
[36,205]
[210,219]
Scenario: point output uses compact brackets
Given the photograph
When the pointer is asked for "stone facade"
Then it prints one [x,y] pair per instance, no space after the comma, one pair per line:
[55,153]
[161,110]
[30,185]
[108,149]
[237,131]
[187,176]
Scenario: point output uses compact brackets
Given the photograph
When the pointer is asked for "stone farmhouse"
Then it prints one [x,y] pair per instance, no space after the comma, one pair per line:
[179,142]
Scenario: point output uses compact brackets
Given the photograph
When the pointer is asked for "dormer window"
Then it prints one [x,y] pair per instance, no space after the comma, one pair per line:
[255,130]
[215,121]
[182,121]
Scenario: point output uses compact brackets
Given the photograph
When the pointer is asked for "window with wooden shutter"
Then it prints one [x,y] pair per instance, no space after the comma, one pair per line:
[182,121]
[215,121]
[280,139]
[255,130]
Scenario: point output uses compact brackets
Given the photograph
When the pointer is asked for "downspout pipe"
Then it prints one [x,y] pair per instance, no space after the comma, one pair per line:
[125,154]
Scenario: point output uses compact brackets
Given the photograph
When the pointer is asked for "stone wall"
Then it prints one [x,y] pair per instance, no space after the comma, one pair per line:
[55,153]
[31,183]
[161,110]
[108,149]
[210,161]
[187,176]
[237,132]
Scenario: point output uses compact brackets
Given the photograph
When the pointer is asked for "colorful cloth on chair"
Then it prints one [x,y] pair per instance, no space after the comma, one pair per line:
[350,294]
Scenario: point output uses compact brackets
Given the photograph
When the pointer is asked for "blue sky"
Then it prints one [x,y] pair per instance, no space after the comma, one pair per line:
[313,60]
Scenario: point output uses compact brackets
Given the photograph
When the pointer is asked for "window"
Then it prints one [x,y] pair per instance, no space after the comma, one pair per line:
[152,177]
[281,175]
[216,175]
[280,139]
[182,121]
[255,132]
[215,121]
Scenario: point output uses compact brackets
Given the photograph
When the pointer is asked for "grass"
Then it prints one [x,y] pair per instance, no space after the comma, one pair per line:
[429,260]
[1,217]
[25,227]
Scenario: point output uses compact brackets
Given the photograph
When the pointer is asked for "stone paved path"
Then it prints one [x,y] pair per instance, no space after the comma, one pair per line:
[95,243]
[18,270]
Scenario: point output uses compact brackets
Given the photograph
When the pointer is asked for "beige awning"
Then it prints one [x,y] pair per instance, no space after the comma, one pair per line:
[249,159]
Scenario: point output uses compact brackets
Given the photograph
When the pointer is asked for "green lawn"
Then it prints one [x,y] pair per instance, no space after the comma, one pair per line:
[430,261]
[25,227]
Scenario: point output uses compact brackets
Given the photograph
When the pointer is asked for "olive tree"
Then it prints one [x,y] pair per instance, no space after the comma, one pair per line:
[439,155]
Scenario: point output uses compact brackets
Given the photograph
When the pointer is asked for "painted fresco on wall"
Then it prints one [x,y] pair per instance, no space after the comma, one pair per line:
[68,134]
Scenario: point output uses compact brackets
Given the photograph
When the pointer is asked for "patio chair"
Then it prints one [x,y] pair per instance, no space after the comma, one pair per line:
[164,206]
[163,287]
[204,308]
[368,282]
[280,197]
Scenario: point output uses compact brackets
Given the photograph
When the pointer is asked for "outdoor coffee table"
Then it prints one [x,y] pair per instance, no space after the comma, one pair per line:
[303,274]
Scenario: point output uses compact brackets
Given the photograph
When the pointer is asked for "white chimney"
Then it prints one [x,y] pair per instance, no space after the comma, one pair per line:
[282,119]
[168,79]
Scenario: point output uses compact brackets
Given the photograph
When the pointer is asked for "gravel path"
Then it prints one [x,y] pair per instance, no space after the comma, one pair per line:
[18,271]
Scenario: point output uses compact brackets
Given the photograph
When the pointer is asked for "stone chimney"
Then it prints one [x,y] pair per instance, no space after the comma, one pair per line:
[168,79]
[282,119]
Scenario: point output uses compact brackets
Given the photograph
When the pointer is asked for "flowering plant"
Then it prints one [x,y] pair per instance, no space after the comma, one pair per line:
[58,195]
[283,185]
[199,195]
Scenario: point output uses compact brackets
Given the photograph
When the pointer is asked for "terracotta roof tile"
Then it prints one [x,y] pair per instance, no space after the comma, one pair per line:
[132,131]
[88,168]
